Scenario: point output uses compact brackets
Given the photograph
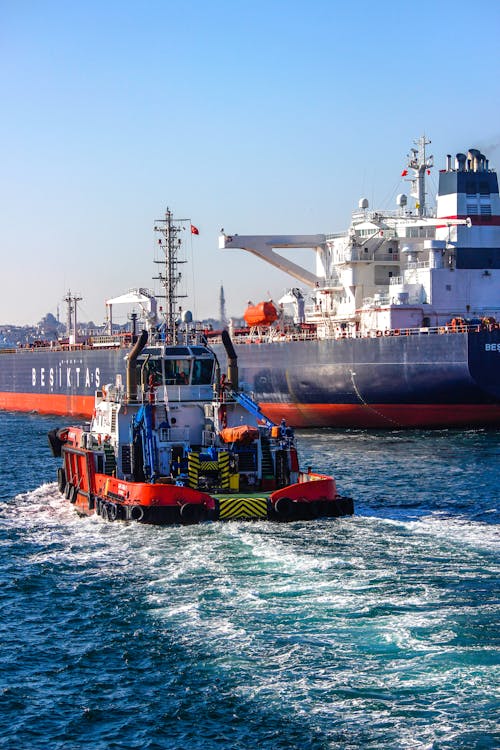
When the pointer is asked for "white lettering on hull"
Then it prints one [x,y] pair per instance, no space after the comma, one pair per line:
[75,377]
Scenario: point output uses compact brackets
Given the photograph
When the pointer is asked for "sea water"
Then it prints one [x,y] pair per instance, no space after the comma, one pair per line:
[374,631]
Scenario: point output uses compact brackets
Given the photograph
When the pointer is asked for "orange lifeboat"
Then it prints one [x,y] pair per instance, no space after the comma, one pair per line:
[262,314]
[243,434]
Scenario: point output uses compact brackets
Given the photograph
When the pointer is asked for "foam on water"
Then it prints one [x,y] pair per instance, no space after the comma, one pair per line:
[364,632]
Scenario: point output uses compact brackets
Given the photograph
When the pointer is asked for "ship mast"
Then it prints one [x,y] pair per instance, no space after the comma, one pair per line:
[420,164]
[170,277]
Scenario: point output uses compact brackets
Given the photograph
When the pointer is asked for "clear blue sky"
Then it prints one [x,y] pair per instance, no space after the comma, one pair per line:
[260,117]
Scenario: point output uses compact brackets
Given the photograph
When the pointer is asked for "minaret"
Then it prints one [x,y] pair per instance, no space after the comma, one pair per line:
[222,307]
[71,321]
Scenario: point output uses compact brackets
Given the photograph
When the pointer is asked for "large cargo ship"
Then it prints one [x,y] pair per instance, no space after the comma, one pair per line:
[398,327]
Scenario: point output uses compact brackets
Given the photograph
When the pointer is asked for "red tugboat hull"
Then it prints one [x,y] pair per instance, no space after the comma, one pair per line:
[313,496]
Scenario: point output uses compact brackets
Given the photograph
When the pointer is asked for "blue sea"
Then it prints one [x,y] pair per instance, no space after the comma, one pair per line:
[375,631]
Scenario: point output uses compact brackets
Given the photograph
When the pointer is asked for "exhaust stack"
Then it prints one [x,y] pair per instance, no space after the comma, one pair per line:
[232,360]
[131,374]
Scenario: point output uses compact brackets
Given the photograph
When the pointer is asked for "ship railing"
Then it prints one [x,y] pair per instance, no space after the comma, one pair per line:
[420,264]
[106,340]
[355,254]
[186,393]
[208,438]
[53,346]
[380,299]
[332,329]
[448,328]
[175,434]
[274,336]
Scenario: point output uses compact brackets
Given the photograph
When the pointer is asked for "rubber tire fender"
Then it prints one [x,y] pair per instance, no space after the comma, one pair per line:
[189,513]
[284,507]
[73,494]
[314,509]
[61,479]
[112,512]
[136,513]
[67,490]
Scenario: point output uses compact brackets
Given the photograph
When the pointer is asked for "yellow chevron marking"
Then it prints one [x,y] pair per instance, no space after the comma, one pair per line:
[193,469]
[213,465]
[243,507]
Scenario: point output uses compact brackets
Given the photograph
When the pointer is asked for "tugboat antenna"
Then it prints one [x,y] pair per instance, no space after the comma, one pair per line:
[170,278]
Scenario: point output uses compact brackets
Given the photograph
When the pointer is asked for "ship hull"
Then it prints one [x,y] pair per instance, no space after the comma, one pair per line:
[425,380]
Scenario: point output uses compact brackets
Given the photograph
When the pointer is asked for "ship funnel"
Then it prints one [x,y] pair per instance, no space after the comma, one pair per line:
[131,373]
[460,160]
[474,157]
[232,360]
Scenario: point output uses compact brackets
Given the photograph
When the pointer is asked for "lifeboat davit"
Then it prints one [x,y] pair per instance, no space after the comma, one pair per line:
[262,314]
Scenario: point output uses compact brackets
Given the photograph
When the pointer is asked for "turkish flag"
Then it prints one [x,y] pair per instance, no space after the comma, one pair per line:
[194,230]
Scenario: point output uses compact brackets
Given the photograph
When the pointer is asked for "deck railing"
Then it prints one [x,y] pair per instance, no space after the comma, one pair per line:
[306,335]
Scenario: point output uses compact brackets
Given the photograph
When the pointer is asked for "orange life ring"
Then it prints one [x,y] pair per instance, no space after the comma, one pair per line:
[379,333]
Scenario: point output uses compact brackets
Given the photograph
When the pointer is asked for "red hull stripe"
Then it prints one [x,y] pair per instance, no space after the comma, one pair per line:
[45,403]
[385,415]
[298,415]
[476,221]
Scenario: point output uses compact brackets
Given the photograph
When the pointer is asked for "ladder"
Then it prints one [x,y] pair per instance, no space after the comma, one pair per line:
[250,405]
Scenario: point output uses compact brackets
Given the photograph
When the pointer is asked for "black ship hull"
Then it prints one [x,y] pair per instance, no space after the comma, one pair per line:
[419,380]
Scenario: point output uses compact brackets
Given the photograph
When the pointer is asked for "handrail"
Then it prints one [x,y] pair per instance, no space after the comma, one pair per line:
[309,335]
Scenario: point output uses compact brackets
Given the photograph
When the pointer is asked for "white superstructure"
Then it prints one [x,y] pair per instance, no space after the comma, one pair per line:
[407,268]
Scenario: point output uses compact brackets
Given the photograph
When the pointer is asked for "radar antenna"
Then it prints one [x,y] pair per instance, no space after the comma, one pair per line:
[420,164]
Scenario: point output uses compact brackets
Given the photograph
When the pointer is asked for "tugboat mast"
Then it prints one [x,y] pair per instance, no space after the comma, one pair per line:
[170,278]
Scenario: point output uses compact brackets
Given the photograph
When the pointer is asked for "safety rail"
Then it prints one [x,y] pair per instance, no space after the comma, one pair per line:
[347,334]
[174,434]
[52,347]
[308,335]
[208,438]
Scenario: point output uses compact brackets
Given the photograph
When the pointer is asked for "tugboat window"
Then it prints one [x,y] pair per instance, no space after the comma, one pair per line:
[177,371]
[145,370]
[202,371]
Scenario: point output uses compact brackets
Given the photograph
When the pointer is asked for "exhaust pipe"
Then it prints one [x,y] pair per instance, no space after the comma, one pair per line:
[131,373]
[232,360]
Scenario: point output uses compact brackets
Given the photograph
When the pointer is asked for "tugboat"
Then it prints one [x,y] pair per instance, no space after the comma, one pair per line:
[180,443]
